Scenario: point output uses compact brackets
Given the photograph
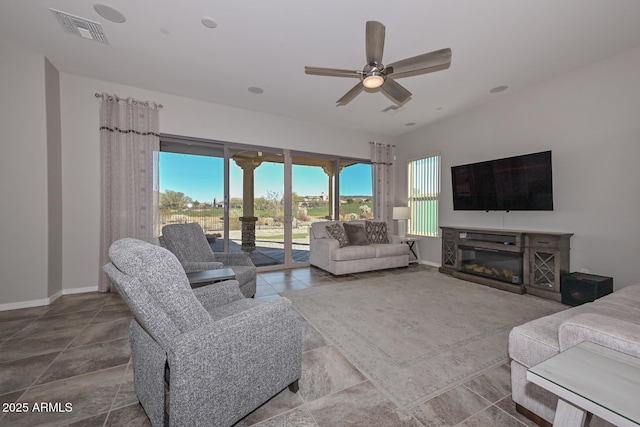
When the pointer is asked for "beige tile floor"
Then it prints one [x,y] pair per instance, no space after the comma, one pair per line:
[76,350]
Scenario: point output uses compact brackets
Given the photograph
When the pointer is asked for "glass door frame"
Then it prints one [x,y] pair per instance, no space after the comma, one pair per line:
[202,146]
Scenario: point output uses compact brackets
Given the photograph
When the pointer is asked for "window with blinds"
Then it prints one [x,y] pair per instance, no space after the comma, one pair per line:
[424,194]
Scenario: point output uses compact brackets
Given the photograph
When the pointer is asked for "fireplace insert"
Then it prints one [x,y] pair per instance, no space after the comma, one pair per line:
[505,266]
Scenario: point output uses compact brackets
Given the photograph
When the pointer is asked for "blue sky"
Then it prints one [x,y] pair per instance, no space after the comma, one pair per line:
[201,178]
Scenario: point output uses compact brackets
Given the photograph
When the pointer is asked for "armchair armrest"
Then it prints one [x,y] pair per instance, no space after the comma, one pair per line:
[218,294]
[201,341]
[394,239]
[609,332]
[238,359]
[193,266]
[230,259]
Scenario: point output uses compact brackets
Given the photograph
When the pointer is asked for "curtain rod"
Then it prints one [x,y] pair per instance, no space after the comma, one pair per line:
[100,95]
[381,143]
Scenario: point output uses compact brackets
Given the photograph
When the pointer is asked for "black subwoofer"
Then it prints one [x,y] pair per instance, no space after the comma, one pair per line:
[579,288]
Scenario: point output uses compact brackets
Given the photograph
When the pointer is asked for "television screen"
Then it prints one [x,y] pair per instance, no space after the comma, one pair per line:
[515,183]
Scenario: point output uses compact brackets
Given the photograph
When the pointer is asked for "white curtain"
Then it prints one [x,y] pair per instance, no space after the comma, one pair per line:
[383,157]
[129,145]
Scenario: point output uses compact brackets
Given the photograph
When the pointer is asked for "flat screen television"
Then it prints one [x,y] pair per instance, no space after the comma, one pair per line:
[519,183]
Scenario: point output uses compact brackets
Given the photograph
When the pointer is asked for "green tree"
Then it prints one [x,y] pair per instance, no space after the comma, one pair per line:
[174,200]
[274,204]
[235,202]
[296,199]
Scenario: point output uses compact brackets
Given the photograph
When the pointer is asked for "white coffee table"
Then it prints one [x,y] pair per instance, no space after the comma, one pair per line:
[589,378]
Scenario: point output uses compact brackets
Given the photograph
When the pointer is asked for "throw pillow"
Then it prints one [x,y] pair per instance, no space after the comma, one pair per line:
[337,232]
[376,231]
[356,234]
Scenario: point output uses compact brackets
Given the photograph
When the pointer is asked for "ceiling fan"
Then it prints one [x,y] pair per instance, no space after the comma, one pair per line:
[375,75]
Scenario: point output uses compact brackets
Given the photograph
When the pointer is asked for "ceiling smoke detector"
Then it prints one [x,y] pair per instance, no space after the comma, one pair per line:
[81,27]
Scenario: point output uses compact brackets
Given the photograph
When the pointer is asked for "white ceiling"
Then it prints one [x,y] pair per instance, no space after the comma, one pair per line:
[267,44]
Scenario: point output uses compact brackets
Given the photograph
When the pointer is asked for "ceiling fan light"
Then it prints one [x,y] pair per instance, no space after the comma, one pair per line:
[373,81]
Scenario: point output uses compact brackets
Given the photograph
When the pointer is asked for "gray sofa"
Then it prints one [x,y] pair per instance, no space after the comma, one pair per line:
[327,254]
[612,321]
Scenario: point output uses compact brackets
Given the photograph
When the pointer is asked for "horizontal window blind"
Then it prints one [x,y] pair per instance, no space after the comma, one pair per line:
[424,195]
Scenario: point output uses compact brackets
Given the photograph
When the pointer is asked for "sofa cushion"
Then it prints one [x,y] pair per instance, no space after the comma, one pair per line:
[628,297]
[337,232]
[356,234]
[537,340]
[376,231]
[349,253]
[390,249]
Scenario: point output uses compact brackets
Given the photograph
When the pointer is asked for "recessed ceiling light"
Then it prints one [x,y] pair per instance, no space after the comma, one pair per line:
[410,124]
[209,22]
[499,89]
[256,90]
[109,13]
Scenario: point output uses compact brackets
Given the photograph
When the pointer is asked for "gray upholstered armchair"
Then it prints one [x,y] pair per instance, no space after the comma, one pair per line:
[221,354]
[189,244]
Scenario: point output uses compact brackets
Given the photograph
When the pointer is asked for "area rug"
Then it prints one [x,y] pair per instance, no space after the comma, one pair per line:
[418,334]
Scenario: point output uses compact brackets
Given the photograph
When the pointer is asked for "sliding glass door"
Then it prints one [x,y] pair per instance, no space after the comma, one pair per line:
[259,200]
[192,190]
[356,190]
[256,205]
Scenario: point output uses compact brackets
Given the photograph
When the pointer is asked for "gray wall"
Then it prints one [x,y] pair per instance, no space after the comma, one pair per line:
[54,178]
[50,167]
[590,119]
[23,177]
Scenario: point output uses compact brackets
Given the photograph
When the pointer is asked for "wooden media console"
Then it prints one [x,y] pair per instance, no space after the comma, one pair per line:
[511,260]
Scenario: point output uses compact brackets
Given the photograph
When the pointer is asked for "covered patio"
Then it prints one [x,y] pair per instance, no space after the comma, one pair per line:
[266,253]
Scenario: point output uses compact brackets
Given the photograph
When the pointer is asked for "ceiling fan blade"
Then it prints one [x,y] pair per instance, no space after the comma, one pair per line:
[375,42]
[395,91]
[348,97]
[333,72]
[425,63]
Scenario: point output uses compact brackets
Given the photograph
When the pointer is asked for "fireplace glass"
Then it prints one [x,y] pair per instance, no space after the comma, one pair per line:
[498,265]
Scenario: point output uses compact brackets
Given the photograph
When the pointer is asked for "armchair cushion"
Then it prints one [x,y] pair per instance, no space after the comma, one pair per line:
[218,294]
[187,242]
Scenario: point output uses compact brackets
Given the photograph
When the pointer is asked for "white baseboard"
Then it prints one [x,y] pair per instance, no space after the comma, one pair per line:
[80,290]
[24,304]
[46,301]
[431,264]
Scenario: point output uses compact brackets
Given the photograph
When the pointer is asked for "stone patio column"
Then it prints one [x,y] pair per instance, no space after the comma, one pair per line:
[248,165]
[329,170]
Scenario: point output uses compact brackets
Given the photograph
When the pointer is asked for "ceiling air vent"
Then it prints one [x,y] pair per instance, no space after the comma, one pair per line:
[80,27]
[392,109]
